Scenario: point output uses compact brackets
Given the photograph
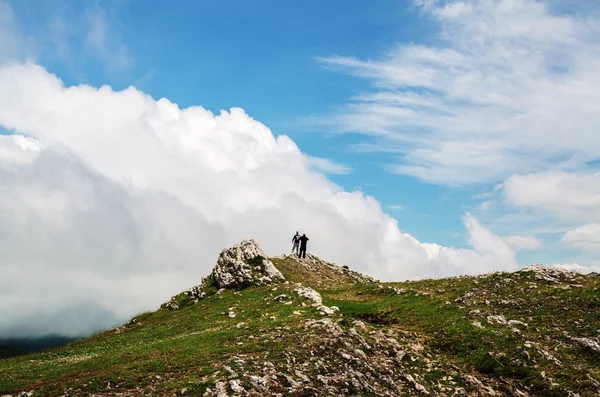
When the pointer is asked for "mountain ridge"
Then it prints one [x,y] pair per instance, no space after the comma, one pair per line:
[323,329]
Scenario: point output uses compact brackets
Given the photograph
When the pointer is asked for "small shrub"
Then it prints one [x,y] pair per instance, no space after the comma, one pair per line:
[256,261]
[487,364]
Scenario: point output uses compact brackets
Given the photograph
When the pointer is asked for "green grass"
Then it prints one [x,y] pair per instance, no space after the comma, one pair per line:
[187,341]
[185,347]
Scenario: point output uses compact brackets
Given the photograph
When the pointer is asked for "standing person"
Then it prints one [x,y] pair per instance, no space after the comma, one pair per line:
[303,241]
[296,241]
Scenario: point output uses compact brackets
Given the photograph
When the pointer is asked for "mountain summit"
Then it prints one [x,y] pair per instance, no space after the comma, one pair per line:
[284,326]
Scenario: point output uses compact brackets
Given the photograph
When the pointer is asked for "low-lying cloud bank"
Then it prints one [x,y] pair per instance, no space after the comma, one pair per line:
[113,201]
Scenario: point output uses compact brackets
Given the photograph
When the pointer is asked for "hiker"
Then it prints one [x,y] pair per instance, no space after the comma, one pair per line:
[303,241]
[296,241]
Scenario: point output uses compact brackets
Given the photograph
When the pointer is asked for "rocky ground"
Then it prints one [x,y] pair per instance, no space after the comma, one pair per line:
[304,327]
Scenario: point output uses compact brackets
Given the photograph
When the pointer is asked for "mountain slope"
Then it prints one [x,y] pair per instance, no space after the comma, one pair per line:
[533,332]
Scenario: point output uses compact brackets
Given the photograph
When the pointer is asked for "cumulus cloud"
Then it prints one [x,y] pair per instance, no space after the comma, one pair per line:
[113,201]
[568,195]
[523,242]
[575,267]
[586,237]
[509,86]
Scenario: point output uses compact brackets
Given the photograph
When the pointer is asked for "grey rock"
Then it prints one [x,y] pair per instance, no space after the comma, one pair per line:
[236,386]
[590,344]
[232,271]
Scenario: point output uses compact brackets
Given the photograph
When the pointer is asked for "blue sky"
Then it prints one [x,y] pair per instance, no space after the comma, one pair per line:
[261,56]
[276,60]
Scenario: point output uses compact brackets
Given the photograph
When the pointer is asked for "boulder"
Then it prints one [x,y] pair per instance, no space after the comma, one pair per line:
[243,265]
[310,294]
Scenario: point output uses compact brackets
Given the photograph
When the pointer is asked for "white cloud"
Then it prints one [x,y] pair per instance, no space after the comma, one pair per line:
[575,267]
[511,86]
[568,195]
[504,92]
[563,204]
[328,166]
[12,44]
[586,237]
[485,205]
[520,243]
[483,195]
[103,41]
[116,201]
[396,207]
[69,35]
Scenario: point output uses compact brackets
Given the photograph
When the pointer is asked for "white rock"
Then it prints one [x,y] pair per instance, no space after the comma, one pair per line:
[359,324]
[257,381]
[310,294]
[232,271]
[499,320]
[281,298]
[415,384]
[551,274]
[361,353]
[548,356]
[328,310]
[303,377]
[221,389]
[518,323]
[172,305]
[236,386]
[587,343]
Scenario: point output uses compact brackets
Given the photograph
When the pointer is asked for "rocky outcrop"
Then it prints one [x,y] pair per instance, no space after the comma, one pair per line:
[240,266]
[590,344]
[550,274]
[328,359]
[243,265]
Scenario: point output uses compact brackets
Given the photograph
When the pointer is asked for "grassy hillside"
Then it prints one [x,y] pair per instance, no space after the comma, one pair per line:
[527,333]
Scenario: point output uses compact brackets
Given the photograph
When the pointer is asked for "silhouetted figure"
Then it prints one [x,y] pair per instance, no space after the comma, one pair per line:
[296,241]
[303,241]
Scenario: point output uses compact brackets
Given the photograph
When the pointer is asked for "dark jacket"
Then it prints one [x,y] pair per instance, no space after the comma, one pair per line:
[303,241]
